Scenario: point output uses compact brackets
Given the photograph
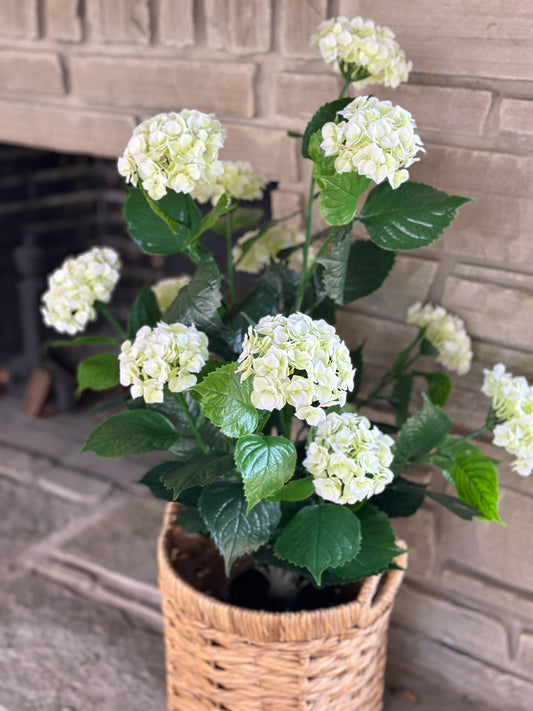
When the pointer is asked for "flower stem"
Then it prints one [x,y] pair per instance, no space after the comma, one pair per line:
[192,423]
[466,438]
[230,267]
[102,308]
[303,279]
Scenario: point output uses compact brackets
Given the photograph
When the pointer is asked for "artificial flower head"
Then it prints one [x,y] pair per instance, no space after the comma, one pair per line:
[298,361]
[367,51]
[446,333]
[261,250]
[349,459]
[68,305]
[239,181]
[166,290]
[512,402]
[376,140]
[173,151]
[167,354]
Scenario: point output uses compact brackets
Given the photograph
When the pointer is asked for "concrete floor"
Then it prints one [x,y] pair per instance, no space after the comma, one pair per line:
[80,628]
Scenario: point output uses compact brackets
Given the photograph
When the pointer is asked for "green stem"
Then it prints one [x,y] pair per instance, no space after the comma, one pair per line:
[303,279]
[387,379]
[102,308]
[262,422]
[347,82]
[466,438]
[192,423]
[229,246]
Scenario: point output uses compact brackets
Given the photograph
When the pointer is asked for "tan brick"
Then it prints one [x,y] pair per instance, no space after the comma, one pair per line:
[19,18]
[119,21]
[300,21]
[286,203]
[482,682]
[457,627]
[270,151]
[176,22]
[240,26]
[516,116]
[497,552]
[303,94]
[37,72]
[225,87]
[409,281]
[62,20]
[456,37]
[525,652]
[501,314]
[89,132]
[498,225]
[383,338]
[419,532]
[441,109]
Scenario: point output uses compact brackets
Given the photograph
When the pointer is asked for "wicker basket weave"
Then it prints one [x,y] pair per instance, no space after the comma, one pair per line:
[228,658]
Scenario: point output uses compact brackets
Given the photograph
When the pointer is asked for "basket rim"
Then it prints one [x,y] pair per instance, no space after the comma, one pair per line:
[263,625]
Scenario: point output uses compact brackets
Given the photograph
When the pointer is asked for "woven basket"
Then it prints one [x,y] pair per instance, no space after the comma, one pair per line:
[228,658]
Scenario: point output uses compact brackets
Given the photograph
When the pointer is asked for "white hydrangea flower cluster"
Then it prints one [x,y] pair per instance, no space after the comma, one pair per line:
[446,333]
[166,290]
[264,248]
[173,151]
[240,181]
[297,361]
[366,45]
[512,401]
[169,353]
[76,285]
[349,459]
[377,140]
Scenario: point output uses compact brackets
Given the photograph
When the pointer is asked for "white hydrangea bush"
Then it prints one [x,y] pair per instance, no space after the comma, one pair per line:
[168,354]
[73,289]
[298,361]
[174,151]
[370,47]
[166,290]
[375,139]
[349,459]
[446,333]
[239,181]
[512,402]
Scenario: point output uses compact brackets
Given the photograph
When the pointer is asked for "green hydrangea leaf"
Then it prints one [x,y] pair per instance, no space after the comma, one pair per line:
[452,503]
[339,195]
[209,221]
[199,469]
[319,537]
[151,231]
[99,372]
[422,431]
[198,302]
[400,498]
[223,508]
[377,552]
[440,387]
[145,311]
[476,480]
[226,401]
[411,216]
[367,268]
[266,464]
[401,397]
[297,490]
[326,113]
[132,432]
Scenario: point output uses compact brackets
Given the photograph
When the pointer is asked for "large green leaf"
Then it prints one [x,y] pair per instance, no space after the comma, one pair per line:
[440,387]
[242,218]
[152,480]
[335,265]
[411,216]
[197,303]
[422,431]
[132,432]
[476,481]
[223,508]
[145,311]
[297,490]
[99,372]
[339,195]
[226,401]
[401,397]
[258,303]
[368,267]
[325,114]
[282,283]
[320,537]
[400,498]
[452,503]
[149,230]
[183,210]
[377,552]
[199,470]
[266,464]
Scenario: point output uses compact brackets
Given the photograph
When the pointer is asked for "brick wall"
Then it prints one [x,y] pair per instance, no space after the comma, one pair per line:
[77,76]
